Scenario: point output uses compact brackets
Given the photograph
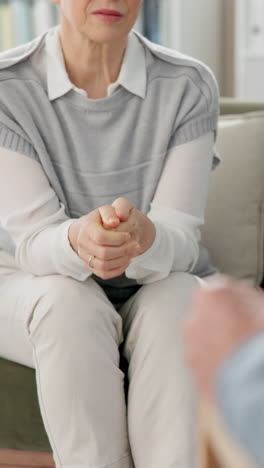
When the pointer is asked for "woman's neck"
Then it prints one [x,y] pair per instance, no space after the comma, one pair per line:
[91,66]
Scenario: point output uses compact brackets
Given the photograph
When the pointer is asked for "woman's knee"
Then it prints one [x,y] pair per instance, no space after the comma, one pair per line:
[66,306]
[160,307]
[171,298]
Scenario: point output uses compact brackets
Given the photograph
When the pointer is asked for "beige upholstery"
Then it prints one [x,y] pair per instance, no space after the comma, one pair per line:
[234,223]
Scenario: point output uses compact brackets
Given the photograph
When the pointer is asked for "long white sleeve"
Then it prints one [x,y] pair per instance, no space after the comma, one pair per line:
[177,210]
[32,214]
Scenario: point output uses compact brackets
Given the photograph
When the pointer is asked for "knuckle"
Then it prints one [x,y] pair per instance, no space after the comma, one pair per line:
[107,211]
[81,240]
[104,266]
[104,207]
[105,275]
[111,273]
[125,262]
[104,255]
[120,200]
[99,237]
[130,252]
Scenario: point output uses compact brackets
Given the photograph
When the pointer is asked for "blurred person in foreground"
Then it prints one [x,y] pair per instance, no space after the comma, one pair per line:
[106,148]
[225,348]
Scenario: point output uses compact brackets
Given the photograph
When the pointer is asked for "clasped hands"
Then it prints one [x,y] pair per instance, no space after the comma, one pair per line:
[111,236]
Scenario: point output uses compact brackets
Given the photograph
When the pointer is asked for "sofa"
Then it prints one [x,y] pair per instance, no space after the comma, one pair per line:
[233,233]
[233,229]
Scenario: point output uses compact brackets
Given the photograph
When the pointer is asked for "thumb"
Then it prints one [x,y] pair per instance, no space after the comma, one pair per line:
[123,208]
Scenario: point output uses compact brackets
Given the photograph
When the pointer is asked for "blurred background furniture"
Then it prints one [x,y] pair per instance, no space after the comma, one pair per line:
[234,223]
[234,234]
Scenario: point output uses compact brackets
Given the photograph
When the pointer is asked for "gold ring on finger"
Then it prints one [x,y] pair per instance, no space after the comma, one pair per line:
[90,261]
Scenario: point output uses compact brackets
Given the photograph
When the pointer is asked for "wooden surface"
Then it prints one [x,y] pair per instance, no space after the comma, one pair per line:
[218,448]
[207,456]
[21,459]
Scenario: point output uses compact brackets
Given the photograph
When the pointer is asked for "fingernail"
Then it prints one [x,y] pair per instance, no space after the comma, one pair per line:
[113,220]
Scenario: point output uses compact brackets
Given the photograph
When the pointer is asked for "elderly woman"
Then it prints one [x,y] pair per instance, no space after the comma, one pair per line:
[106,145]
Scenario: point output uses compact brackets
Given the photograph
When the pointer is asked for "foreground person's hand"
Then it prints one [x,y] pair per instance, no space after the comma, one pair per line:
[221,320]
[104,250]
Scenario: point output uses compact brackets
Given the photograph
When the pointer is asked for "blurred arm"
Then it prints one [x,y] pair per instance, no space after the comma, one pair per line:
[240,396]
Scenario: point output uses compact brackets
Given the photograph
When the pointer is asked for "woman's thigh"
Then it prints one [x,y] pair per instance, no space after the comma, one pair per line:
[160,307]
[162,402]
[26,299]
[14,312]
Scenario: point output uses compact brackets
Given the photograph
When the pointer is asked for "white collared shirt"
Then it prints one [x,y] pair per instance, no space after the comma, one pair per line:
[132,76]
[184,178]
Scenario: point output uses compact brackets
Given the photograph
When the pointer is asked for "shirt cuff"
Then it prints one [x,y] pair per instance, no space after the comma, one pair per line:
[66,259]
[144,266]
[163,257]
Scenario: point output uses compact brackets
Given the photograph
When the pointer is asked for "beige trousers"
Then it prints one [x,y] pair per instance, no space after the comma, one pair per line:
[70,333]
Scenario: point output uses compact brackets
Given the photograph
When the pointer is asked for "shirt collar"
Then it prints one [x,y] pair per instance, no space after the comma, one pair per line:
[133,73]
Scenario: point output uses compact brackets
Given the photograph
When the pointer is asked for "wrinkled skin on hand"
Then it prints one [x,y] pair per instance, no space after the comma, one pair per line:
[113,235]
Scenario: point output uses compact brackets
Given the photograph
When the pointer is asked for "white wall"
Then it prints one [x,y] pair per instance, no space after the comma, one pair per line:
[201,31]
[195,27]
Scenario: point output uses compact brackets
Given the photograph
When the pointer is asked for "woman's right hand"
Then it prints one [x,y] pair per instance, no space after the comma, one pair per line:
[111,251]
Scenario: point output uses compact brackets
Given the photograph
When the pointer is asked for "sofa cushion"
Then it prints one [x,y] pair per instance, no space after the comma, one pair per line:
[233,230]
[21,425]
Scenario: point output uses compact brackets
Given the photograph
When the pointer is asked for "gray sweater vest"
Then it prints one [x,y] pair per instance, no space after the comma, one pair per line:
[93,151]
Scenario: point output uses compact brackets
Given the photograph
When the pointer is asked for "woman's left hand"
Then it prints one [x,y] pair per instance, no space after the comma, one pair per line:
[140,227]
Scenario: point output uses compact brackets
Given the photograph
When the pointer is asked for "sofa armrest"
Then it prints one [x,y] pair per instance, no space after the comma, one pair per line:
[236,106]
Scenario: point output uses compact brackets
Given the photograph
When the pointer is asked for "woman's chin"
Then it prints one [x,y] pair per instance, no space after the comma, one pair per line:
[106,34]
